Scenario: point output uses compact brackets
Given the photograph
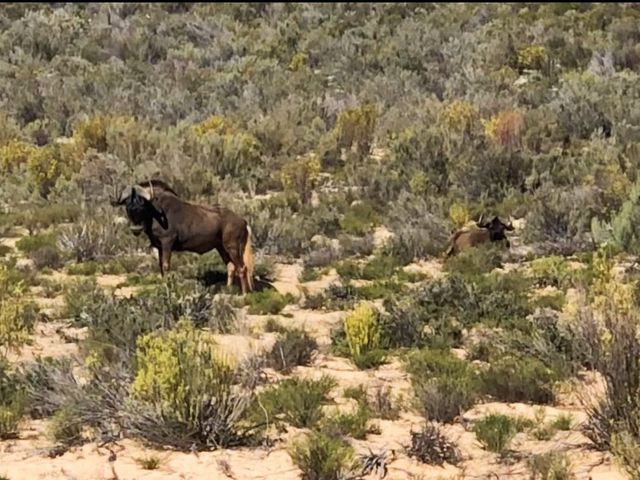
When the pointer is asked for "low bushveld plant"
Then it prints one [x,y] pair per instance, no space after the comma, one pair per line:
[355,424]
[33,243]
[445,386]
[542,430]
[12,401]
[359,219]
[48,383]
[17,315]
[563,422]
[519,379]
[151,462]
[293,347]
[550,466]
[475,261]
[267,302]
[432,447]
[553,271]
[322,457]
[65,427]
[183,392]
[383,404]
[295,401]
[363,335]
[495,432]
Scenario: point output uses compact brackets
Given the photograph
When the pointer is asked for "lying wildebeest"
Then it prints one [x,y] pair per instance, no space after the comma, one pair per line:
[492,231]
[175,225]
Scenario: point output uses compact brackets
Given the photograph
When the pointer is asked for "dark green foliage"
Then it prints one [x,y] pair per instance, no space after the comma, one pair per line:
[359,219]
[495,432]
[475,261]
[323,457]
[519,379]
[445,386]
[267,302]
[354,424]
[297,402]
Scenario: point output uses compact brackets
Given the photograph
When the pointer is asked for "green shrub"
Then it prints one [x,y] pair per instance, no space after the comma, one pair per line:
[475,261]
[550,272]
[380,267]
[433,314]
[66,426]
[12,401]
[295,401]
[430,446]
[563,422]
[35,242]
[519,379]
[354,424]
[359,219]
[17,315]
[294,347]
[550,466]
[445,386]
[267,302]
[322,457]
[363,336]
[183,392]
[495,432]
[555,301]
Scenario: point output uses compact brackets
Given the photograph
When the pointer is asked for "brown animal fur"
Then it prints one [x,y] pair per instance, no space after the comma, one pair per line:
[492,231]
[175,225]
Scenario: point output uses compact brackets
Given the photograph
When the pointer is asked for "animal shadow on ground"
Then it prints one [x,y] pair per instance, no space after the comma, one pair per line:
[218,280]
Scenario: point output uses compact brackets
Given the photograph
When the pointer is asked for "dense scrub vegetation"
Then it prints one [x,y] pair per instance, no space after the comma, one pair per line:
[320,123]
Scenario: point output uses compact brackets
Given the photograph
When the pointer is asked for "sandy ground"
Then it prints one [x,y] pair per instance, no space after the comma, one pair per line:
[26,458]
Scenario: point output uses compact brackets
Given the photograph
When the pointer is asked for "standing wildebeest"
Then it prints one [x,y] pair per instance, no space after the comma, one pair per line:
[174,225]
[492,231]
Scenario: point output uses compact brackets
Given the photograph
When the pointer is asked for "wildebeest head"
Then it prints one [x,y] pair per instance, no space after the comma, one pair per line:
[496,228]
[139,207]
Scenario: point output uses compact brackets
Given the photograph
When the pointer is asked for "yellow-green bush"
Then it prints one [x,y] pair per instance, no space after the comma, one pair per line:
[94,133]
[178,369]
[532,57]
[459,116]
[14,154]
[364,336]
[46,164]
[356,126]
[16,314]
[301,177]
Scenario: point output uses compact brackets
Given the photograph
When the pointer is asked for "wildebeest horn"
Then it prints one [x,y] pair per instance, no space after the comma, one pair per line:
[143,192]
[126,193]
[479,222]
[151,187]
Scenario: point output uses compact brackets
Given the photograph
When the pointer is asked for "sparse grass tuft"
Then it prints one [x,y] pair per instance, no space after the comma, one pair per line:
[495,432]
[267,302]
[550,466]
[322,457]
[151,462]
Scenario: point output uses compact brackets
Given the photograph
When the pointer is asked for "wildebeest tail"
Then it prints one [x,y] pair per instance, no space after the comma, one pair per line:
[247,259]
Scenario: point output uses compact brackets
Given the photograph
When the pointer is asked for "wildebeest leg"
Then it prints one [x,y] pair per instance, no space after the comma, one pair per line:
[238,265]
[164,257]
[231,269]
[160,262]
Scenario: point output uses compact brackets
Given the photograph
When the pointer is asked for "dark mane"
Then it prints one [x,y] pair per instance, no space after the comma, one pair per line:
[158,183]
